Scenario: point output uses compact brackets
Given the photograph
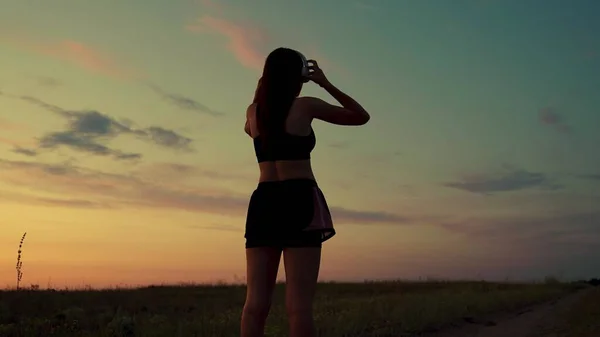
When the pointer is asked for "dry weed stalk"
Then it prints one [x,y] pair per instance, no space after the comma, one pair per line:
[20,262]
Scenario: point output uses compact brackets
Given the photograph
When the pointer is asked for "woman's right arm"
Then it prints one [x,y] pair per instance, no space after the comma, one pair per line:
[350,112]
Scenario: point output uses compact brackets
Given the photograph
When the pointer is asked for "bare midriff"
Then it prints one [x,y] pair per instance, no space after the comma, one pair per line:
[285,170]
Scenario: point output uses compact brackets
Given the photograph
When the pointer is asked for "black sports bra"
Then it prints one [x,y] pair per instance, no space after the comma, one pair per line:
[285,146]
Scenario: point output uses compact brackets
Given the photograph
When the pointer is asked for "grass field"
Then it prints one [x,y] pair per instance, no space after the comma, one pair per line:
[342,309]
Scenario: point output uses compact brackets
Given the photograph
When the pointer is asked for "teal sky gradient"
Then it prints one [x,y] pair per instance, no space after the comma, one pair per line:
[480,158]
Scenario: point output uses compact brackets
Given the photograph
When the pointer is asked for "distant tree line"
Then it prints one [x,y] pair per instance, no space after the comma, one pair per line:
[595,282]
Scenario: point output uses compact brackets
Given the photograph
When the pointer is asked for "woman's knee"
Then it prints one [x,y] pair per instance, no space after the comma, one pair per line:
[257,308]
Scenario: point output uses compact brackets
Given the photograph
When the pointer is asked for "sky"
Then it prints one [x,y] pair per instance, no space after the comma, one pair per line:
[123,155]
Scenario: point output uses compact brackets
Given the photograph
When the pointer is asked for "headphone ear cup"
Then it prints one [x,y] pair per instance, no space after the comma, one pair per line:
[305,71]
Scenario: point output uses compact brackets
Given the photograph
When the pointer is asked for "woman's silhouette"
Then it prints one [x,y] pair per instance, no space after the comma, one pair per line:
[287,212]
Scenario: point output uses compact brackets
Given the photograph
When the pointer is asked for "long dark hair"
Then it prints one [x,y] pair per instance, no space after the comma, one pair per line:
[280,84]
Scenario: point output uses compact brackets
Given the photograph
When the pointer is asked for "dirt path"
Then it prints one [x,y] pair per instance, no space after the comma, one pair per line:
[531,322]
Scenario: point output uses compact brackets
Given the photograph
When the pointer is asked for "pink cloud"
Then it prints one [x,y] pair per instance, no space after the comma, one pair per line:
[245,41]
[74,52]
[250,43]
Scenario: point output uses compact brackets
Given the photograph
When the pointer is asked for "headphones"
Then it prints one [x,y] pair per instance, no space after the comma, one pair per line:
[305,71]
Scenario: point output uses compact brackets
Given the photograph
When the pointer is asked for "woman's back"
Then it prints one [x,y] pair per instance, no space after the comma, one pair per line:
[288,155]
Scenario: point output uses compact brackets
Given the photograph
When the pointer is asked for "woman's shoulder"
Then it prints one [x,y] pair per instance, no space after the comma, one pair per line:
[308,100]
[250,110]
[307,103]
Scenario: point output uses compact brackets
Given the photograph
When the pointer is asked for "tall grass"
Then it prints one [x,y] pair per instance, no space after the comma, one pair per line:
[19,266]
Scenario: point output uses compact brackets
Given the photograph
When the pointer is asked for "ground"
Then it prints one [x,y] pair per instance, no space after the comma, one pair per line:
[391,309]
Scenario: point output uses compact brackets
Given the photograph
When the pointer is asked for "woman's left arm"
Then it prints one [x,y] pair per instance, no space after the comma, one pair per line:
[248,110]
[247,128]
[248,117]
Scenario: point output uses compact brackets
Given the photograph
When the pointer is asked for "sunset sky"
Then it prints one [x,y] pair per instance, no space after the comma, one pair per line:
[123,155]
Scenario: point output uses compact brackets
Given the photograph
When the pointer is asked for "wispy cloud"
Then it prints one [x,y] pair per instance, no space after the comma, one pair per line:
[217,227]
[247,42]
[49,82]
[128,190]
[88,130]
[345,215]
[83,143]
[75,52]
[177,172]
[548,116]
[184,103]
[509,180]
[542,231]
[339,145]
[24,151]
[165,137]
[593,176]
[44,201]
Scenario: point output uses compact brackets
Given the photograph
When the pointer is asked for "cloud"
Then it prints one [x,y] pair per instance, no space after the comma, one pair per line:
[177,172]
[50,82]
[167,138]
[548,116]
[44,201]
[339,145]
[184,103]
[247,42]
[595,176]
[83,143]
[250,43]
[149,191]
[511,180]
[364,217]
[75,52]
[550,231]
[24,151]
[88,129]
[217,227]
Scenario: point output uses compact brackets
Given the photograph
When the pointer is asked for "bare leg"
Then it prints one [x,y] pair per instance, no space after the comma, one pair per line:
[301,273]
[262,264]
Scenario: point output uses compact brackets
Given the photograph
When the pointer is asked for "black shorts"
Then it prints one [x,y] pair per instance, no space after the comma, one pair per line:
[288,213]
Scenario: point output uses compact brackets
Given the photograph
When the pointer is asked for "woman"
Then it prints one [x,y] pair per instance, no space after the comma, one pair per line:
[287,212]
